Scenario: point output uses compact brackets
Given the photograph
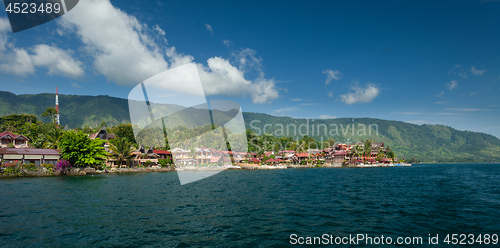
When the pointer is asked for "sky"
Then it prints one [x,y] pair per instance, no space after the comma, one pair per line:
[421,62]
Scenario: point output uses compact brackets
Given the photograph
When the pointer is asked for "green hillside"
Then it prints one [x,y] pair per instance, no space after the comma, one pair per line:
[424,142]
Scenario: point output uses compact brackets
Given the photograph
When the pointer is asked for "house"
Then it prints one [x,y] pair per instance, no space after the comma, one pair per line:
[339,156]
[102,134]
[286,153]
[299,157]
[251,155]
[26,156]
[18,141]
[203,155]
[179,153]
[163,154]
[268,154]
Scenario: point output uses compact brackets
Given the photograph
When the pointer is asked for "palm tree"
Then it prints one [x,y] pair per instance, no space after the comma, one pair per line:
[355,152]
[121,150]
[53,138]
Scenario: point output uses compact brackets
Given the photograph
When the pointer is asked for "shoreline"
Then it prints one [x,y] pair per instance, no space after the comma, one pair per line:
[23,173]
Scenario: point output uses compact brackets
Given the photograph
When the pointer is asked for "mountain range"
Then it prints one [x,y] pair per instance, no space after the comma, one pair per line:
[429,143]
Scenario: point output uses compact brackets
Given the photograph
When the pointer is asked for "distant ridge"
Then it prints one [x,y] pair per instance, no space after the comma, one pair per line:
[424,142]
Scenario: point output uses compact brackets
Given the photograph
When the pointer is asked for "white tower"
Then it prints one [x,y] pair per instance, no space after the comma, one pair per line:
[57,108]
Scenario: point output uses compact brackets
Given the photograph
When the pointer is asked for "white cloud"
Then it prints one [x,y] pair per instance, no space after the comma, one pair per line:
[227,42]
[18,63]
[360,94]
[441,94]
[458,70]
[330,75]
[159,30]
[118,44]
[327,117]
[4,28]
[22,62]
[57,61]
[330,94]
[296,99]
[406,113]
[476,71]
[448,114]
[284,110]
[468,109]
[125,52]
[209,28]
[75,85]
[451,85]
[220,77]
[441,102]
[310,104]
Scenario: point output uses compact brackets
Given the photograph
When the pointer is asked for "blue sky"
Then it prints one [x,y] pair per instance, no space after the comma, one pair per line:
[423,62]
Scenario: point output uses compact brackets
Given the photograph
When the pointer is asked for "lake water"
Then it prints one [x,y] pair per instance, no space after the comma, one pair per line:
[258,208]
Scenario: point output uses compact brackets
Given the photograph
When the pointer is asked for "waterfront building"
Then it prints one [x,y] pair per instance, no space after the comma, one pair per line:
[27,156]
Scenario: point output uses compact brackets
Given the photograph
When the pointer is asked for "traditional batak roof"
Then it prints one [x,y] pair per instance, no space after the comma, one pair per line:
[9,135]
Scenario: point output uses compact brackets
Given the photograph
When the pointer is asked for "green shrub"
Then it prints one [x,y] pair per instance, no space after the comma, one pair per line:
[30,167]
[163,162]
[49,167]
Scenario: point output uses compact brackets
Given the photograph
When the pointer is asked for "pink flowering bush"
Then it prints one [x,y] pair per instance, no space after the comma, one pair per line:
[63,164]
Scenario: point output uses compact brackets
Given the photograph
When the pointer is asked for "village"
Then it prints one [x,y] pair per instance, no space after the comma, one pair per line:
[109,153]
[14,149]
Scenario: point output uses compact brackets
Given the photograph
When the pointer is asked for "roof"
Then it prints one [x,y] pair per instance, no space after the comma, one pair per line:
[175,150]
[29,151]
[13,136]
[302,155]
[287,151]
[340,153]
[254,160]
[161,152]
[214,159]
[203,149]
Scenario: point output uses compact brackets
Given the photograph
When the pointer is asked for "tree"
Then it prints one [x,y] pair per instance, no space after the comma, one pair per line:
[121,150]
[125,131]
[53,138]
[368,148]
[50,112]
[355,152]
[35,132]
[81,151]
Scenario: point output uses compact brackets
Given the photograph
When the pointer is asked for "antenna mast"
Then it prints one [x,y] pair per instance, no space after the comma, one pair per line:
[57,108]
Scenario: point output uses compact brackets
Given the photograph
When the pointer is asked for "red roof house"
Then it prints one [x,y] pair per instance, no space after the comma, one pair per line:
[18,141]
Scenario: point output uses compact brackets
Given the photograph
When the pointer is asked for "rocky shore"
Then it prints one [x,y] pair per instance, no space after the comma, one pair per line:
[43,172]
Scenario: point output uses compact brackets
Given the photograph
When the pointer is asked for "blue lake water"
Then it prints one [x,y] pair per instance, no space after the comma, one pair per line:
[241,208]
